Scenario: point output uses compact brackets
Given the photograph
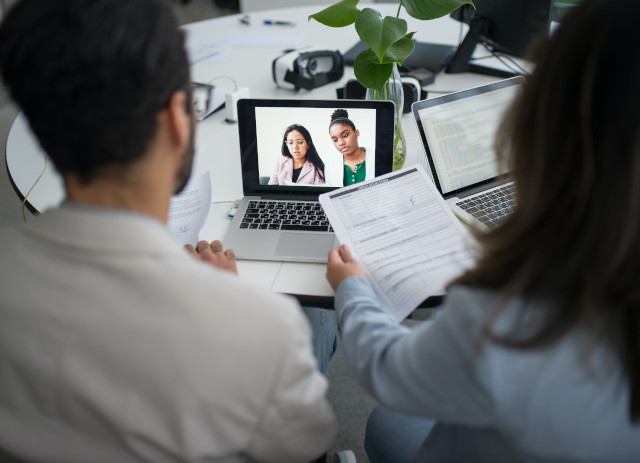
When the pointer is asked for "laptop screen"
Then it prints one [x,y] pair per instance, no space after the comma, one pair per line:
[458,132]
[275,133]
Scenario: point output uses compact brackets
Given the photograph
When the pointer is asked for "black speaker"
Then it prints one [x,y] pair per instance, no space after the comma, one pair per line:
[353,90]
[412,92]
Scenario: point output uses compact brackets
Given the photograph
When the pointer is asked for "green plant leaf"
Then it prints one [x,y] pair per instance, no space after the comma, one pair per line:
[339,14]
[399,50]
[431,9]
[369,71]
[378,32]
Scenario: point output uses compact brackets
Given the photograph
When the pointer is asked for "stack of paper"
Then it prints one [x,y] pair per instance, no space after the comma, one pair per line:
[399,227]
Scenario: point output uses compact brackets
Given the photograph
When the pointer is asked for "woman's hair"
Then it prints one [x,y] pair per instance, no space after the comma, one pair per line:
[572,140]
[341,116]
[312,154]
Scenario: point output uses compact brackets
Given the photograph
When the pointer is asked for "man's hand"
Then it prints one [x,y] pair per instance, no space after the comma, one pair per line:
[215,254]
[342,265]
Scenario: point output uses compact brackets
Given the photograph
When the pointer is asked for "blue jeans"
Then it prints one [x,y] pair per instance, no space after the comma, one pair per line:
[394,438]
[324,336]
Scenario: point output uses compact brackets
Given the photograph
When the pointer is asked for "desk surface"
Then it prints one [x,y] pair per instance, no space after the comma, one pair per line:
[218,146]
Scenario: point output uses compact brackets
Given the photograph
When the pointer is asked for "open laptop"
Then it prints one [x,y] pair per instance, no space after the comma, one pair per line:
[458,133]
[286,222]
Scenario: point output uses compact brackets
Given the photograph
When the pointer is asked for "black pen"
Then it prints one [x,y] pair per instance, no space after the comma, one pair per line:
[269,22]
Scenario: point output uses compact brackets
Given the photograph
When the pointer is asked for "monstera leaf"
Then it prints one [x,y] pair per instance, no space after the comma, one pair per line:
[378,32]
[369,71]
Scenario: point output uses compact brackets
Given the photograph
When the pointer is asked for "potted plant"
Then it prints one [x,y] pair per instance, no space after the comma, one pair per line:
[389,44]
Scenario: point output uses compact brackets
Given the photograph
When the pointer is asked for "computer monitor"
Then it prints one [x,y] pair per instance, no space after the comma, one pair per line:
[504,26]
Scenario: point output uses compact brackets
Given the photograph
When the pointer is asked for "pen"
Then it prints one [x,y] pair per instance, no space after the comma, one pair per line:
[270,22]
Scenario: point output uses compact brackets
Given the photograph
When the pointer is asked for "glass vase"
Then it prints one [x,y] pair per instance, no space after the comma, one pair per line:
[392,90]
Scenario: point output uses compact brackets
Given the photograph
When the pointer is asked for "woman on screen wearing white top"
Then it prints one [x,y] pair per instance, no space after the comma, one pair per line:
[535,354]
[300,163]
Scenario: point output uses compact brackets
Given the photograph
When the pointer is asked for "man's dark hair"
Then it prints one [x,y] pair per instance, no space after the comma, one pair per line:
[92,75]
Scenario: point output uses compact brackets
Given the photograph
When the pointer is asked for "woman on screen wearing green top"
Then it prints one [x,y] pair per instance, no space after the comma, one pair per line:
[344,136]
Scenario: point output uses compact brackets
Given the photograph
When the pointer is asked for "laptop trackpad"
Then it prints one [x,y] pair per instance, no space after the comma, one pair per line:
[304,244]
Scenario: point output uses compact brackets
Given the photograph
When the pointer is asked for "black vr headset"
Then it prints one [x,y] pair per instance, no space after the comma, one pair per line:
[308,68]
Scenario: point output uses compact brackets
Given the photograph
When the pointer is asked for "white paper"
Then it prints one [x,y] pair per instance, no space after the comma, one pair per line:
[211,52]
[270,37]
[399,227]
[188,211]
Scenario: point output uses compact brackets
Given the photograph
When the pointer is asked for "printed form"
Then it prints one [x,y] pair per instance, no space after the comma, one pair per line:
[188,210]
[399,227]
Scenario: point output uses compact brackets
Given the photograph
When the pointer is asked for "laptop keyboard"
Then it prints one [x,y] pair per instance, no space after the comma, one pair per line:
[285,215]
[491,207]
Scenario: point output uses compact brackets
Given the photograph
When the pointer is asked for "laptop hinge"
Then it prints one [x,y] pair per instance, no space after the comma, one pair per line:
[290,197]
[483,187]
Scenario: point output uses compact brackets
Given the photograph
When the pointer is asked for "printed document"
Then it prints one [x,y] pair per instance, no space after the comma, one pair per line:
[188,210]
[399,227]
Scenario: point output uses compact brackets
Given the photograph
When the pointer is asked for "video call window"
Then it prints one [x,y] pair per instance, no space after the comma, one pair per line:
[276,168]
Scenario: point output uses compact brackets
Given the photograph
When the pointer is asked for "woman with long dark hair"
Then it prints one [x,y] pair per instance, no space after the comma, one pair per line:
[535,354]
[300,163]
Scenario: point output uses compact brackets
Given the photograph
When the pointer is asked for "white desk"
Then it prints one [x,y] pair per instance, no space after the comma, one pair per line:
[218,144]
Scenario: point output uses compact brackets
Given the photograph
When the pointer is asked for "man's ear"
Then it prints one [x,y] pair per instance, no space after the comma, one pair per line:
[179,120]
